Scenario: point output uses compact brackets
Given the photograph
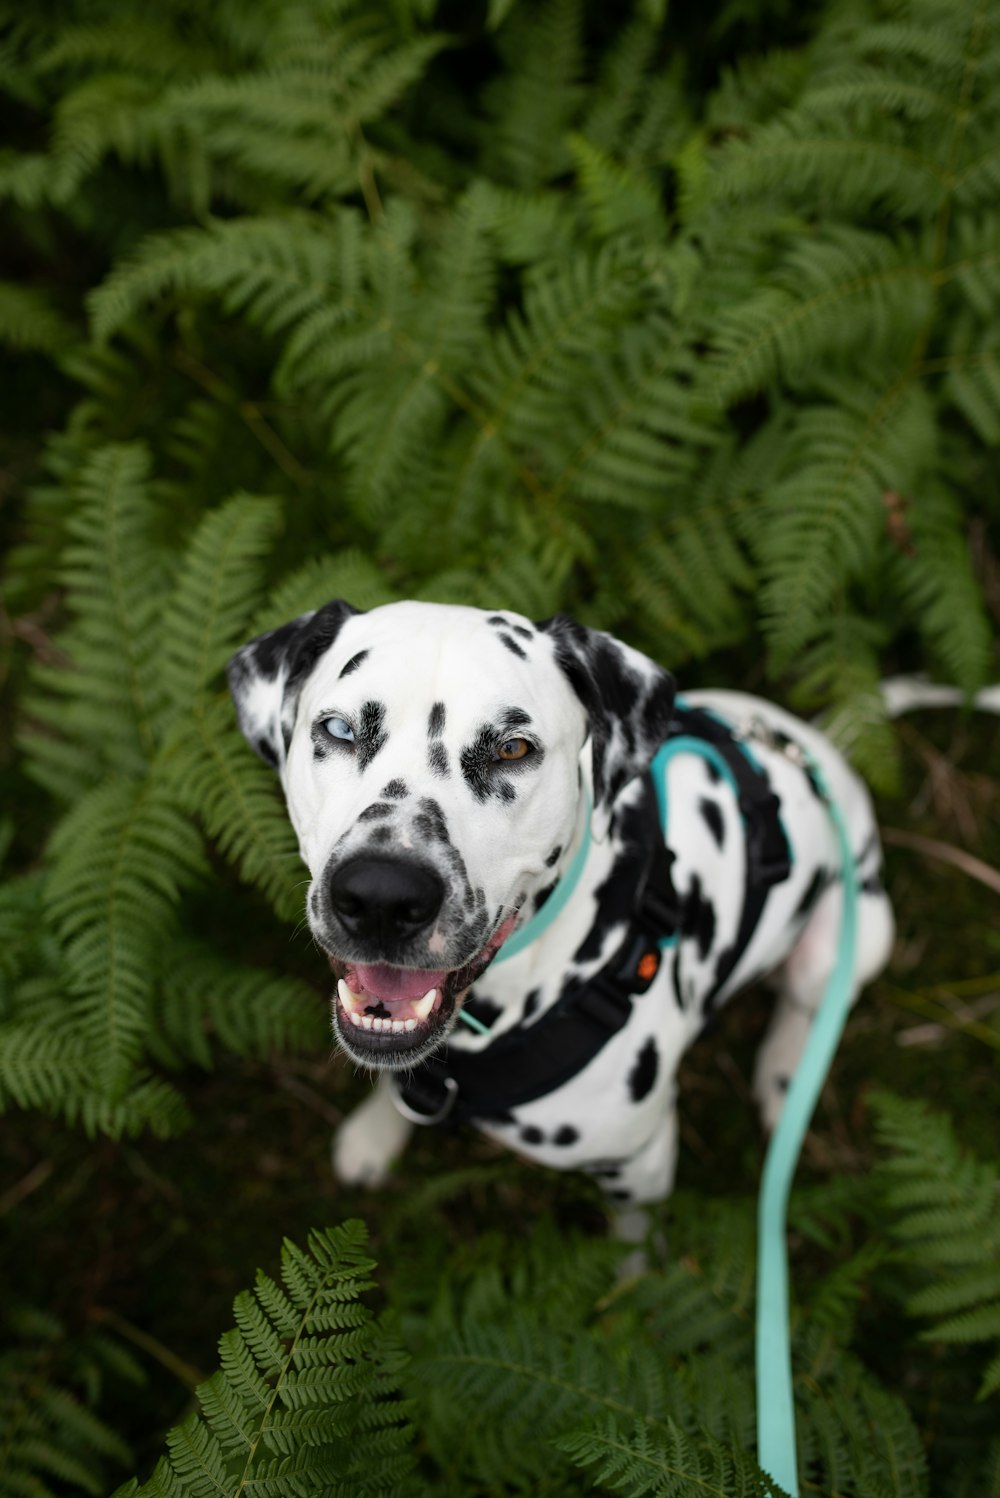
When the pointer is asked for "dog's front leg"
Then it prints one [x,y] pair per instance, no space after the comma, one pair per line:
[370,1139]
[642,1181]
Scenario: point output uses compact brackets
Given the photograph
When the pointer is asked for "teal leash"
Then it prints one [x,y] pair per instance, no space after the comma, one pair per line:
[776,1450]
[776,1446]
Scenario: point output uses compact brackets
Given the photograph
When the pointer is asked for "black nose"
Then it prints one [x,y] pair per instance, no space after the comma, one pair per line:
[384,899]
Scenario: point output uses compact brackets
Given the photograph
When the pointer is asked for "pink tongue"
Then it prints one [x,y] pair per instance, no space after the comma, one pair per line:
[395,984]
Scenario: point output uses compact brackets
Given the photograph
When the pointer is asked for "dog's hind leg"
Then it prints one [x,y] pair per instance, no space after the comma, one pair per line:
[801,983]
[370,1139]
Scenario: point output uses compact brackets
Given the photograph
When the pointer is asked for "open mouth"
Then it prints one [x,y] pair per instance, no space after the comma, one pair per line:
[390,1016]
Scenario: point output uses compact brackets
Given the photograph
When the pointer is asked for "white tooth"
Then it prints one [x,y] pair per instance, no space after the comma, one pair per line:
[409,1024]
[356,1019]
[423,1007]
[348,998]
[397,1027]
[367,1021]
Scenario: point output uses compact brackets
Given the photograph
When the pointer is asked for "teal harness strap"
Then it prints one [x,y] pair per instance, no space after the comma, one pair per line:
[557,901]
[775,1407]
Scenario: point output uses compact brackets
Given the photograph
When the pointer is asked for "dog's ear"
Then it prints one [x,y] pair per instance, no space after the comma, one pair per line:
[629,702]
[266,676]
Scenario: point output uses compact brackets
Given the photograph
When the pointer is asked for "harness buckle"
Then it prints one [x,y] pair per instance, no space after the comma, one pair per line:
[416,1115]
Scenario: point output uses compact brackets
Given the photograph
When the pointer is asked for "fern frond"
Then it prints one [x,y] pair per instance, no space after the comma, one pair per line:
[28,320]
[617,199]
[350,574]
[237,800]
[50,1435]
[673,1465]
[934,578]
[109,702]
[252,1012]
[819,525]
[947,1207]
[46,1063]
[275,270]
[843,290]
[833,165]
[533,104]
[304,1400]
[120,861]
[208,613]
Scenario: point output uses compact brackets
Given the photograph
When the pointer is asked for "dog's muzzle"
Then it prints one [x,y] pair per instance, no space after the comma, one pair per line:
[391,1014]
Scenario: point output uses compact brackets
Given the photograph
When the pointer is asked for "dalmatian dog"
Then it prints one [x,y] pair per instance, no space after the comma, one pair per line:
[462,782]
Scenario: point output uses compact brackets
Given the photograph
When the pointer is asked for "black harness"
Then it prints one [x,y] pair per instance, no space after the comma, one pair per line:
[529,1061]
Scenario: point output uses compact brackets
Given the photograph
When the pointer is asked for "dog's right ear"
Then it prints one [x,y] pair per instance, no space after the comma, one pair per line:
[266,676]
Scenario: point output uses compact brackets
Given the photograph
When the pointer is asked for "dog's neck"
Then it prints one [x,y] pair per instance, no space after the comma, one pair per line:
[587,930]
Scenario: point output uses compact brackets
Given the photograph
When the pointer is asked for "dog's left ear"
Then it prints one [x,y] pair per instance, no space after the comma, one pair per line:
[629,701]
[266,677]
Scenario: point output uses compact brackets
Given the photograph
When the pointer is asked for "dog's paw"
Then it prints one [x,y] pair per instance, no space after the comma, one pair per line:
[367,1143]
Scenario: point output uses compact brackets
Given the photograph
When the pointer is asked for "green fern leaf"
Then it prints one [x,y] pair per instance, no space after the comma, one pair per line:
[669,1466]
[208,613]
[251,1011]
[304,1399]
[110,704]
[120,861]
[275,270]
[29,321]
[237,799]
[946,1214]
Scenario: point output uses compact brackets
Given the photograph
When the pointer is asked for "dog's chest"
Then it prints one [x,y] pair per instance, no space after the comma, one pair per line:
[607,1108]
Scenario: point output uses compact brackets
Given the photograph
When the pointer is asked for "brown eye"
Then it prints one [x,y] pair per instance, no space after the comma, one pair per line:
[513,749]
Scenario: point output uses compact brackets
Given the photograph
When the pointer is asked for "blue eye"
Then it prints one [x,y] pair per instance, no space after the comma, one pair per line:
[339,728]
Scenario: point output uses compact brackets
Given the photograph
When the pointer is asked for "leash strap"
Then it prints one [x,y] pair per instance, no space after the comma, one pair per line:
[776,1452]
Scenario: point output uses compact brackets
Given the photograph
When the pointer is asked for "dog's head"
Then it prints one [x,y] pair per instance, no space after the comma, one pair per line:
[431,761]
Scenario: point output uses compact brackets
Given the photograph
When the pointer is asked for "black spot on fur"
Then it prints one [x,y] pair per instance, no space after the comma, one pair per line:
[374,812]
[811,893]
[711,771]
[643,1074]
[722,965]
[566,1135]
[506,791]
[370,736]
[265,751]
[435,722]
[498,619]
[698,918]
[431,822]
[396,790]
[380,834]
[618,1195]
[531,1003]
[553,857]
[782,1083]
[354,663]
[526,634]
[543,895]
[615,897]
[712,814]
[873,885]
[484,1010]
[514,717]
[513,647]
[437,758]
[532,1135]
